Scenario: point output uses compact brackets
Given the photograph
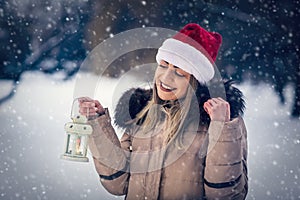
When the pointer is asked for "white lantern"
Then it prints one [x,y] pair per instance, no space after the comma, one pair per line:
[77,138]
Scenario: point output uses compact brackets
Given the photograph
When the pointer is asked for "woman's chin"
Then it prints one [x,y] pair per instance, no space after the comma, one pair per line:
[166,97]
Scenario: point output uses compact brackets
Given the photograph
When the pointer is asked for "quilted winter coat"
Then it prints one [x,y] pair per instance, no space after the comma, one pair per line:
[211,163]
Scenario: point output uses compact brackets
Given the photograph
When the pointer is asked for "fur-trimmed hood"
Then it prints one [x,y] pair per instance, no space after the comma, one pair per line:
[135,99]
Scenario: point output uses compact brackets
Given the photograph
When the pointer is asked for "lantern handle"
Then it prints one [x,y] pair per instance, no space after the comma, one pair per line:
[72,109]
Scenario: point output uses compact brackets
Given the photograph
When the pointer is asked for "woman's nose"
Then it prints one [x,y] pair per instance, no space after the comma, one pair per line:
[168,74]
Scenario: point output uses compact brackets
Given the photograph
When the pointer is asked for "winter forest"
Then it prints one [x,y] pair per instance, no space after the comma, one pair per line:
[44,46]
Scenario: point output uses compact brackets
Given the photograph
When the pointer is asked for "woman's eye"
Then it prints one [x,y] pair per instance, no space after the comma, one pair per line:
[178,73]
[163,66]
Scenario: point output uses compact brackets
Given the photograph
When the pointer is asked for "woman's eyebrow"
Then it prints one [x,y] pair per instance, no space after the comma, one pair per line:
[168,63]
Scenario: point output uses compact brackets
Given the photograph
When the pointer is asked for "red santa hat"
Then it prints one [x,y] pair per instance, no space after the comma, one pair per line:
[192,49]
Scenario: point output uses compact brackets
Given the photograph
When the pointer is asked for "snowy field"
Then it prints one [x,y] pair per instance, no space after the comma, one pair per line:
[32,140]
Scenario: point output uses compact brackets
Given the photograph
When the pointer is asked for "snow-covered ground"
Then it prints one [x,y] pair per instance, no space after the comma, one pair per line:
[32,140]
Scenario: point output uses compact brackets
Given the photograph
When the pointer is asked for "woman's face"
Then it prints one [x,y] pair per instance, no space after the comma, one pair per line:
[171,81]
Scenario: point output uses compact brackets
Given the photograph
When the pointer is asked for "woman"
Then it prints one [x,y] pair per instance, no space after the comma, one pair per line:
[179,142]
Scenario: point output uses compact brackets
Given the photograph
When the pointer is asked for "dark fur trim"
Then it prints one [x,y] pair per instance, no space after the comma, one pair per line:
[134,100]
[130,104]
[236,100]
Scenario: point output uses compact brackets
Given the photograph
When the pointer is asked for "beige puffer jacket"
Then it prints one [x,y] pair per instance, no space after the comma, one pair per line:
[211,163]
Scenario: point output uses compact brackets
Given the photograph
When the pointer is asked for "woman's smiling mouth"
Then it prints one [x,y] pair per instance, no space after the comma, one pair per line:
[166,88]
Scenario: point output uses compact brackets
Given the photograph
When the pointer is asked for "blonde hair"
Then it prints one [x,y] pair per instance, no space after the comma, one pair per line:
[176,112]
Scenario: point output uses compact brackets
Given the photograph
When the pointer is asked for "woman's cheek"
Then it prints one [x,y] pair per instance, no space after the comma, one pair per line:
[182,87]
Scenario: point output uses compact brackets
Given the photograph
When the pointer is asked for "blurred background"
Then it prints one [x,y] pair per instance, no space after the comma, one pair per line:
[42,46]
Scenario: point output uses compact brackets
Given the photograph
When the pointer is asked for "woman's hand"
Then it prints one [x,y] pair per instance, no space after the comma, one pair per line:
[218,109]
[89,107]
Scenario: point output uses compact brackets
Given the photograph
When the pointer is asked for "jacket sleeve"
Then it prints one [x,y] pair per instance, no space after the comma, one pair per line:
[110,155]
[225,173]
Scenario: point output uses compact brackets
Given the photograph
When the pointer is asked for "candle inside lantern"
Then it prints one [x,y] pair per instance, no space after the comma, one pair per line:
[78,141]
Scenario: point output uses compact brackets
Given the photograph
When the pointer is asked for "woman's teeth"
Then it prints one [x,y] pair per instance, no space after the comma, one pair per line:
[166,87]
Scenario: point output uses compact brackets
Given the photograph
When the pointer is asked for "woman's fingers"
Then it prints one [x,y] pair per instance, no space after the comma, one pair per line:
[99,107]
[84,99]
[88,110]
[89,107]
[220,99]
[207,107]
[87,104]
[218,109]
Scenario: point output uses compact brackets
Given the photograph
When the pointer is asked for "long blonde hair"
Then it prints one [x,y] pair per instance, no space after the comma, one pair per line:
[175,112]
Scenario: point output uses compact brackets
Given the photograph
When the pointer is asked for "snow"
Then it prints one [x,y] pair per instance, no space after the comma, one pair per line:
[32,140]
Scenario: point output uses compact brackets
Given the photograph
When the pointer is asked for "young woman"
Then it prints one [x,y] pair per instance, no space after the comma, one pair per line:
[179,142]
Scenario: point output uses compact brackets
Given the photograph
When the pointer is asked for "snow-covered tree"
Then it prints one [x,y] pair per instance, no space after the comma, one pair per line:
[41,35]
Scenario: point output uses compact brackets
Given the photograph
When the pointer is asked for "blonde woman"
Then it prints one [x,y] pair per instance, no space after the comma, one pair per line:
[179,142]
